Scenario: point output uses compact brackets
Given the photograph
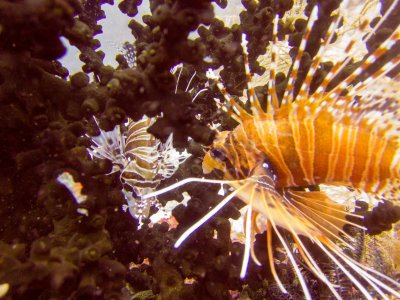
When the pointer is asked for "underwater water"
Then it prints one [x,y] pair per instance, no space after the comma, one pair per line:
[176,149]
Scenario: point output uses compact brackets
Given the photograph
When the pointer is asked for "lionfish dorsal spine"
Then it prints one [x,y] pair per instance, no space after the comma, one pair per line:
[305,91]
[272,100]
[255,104]
[382,49]
[288,95]
[350,51]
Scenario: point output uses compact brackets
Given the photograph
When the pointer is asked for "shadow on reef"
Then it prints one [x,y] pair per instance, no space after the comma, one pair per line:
[52,247]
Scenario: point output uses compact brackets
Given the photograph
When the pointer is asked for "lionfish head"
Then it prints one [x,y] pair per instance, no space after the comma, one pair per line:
[216,157]
[236,156]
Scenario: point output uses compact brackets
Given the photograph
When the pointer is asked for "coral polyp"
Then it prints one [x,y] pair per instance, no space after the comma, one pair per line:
[77,149]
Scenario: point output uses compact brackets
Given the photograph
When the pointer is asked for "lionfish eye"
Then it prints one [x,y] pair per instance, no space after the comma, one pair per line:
[269,169]
[218,154]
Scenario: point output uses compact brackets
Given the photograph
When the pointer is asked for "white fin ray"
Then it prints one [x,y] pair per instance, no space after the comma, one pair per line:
[288,252]
[206,217]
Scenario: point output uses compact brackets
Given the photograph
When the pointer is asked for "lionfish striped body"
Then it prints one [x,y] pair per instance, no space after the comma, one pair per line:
[141,151]
[347,135]
[141,173]
[308,145]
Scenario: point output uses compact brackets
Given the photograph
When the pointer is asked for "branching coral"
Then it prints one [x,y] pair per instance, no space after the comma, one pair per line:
[55,247]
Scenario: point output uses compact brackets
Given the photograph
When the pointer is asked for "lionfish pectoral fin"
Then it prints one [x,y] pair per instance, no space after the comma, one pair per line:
[313,266]
[320,210]
[206,217]
[322,222]
[290,223]
[251,228]
[271,258]
[271,197]
[255,230]
[248,226]
[381,283]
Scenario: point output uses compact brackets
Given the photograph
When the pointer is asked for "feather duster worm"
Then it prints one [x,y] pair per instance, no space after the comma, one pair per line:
[346,135]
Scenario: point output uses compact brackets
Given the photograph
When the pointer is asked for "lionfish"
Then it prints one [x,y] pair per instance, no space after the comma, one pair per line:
[345,135]
[143,160]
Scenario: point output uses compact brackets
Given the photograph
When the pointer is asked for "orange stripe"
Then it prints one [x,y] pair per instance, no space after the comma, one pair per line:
[323,144]
[380,149]
[310,129]
[300,139]
[365,184]
[337,131]
[265,134]
[350,155]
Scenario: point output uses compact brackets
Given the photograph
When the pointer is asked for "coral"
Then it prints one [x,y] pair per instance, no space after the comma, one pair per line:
[52,246]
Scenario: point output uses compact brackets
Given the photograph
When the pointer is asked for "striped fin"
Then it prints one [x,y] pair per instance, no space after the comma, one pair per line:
[109,145]
[379,52]
[138,208]
[321,210]
[254,102]
[370,106]
[321,93]
[351,50]
[231,107]
[170,159]
[330,217]
[272,94]
[289,225]
[306,85]
[288,95]
[269,199]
